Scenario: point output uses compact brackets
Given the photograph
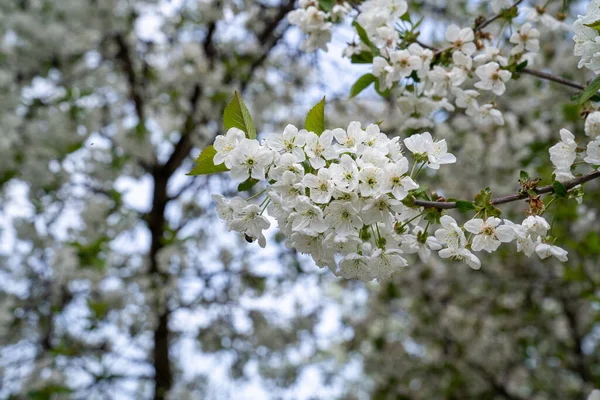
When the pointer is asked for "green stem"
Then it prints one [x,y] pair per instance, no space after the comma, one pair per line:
[420,168]
[410,220]
[546,206]
[265,207]
[256,195]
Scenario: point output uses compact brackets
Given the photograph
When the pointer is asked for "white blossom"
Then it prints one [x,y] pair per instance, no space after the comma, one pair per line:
[291,141]
[461,39]
[249,159]
[489,233]
[436,152]
[319,149]
[224,145]
[526,38]
[343,218]
[593,152]
[320,185]
[492,78]
[592,125]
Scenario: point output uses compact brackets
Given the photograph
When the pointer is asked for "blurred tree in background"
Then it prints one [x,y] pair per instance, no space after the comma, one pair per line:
[117,281]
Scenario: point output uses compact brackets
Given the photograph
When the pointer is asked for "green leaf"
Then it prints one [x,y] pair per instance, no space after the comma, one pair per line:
[205,165]
[493,211]
[247,184]
[364,57]
[465,206]
[594,25]
[315,120]
[483,198]
[326,5]
[420,192]
[521,66]
[362,34]
[559,189]
[382,93]
[361,84]
[590,90]
[236,115]
[524,176]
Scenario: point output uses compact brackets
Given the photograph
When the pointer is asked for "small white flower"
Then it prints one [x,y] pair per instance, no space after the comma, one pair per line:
[345,174]
[343,218]
[414,244]
[461,254]
[425,55]
[287,162]
[592,125]
[319,148]
[488,235]
[461,39]
[384,71]
[523,239]
[251,223]
[525,39]
[228,209]
[563,153]
[290,141]
[308,218]
[374,139]
[492,78]
[224,145]
[536,225]
[593,152]
[320,186]
[450,234]
[355,266]
[467,99]
[404,63]
[395,181]
[489,54]
[249,159]
[539,14]
[545,250]
[385,263]
[350,139]
[487,114]
[380,209]
[371,179]
[436,152]
[289,186]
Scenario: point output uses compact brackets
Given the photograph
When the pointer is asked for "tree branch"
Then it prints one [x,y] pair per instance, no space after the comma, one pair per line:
[513,197]
[486,22]
[553,78]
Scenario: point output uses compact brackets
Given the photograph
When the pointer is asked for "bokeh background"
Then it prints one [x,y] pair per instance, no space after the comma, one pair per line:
[118,281]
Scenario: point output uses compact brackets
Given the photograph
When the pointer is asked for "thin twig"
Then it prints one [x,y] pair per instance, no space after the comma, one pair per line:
[553,78]
[485,23]
[513,197]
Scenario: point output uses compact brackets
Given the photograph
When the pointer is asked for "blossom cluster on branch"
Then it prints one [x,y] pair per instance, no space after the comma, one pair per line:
[347,197]
[350,197]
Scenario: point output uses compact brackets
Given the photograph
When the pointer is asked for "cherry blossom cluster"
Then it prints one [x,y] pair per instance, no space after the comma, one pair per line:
[316,23]
[564,153]
[346,197]
[468,72]
[587,38]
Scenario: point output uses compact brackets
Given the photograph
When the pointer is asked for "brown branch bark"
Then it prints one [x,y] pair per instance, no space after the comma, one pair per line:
[553,78]
[513,197]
